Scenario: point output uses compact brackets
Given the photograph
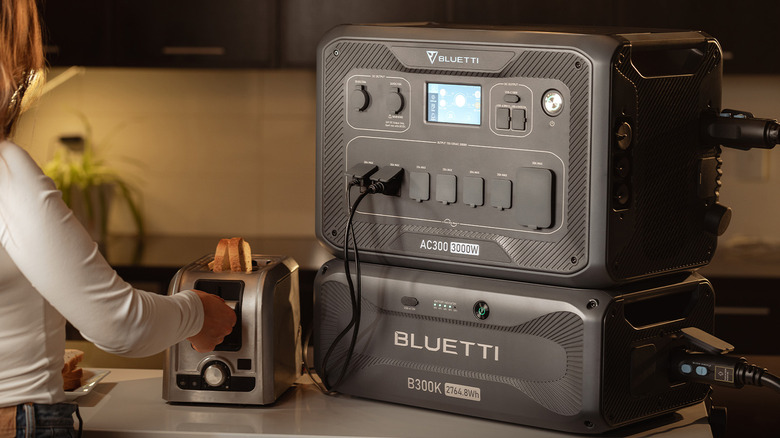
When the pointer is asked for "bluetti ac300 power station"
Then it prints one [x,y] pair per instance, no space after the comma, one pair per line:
[558,156]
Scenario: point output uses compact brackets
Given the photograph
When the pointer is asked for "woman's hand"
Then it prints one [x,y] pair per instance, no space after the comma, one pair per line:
[218,322]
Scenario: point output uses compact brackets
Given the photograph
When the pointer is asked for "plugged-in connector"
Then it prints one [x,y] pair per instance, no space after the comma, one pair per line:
[721,370]
[387,181]
[739,130]
[359,174]
[713,366]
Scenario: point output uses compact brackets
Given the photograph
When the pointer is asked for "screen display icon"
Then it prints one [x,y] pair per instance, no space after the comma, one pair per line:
[454,103]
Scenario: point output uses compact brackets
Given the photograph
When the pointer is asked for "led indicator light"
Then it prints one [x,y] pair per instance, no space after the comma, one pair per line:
[481,310]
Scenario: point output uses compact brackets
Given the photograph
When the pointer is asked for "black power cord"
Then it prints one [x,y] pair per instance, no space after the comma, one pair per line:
[355,297]
[386,181]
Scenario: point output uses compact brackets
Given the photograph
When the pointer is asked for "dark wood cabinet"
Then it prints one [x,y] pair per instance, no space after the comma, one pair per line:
[304,22]
[270,33]
[166,33]
[194,33]
[76,32]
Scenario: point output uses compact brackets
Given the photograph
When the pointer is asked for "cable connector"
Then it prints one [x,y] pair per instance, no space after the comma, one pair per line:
[721,370]
[387,181]
[714,367]
[359,174]
[739,130]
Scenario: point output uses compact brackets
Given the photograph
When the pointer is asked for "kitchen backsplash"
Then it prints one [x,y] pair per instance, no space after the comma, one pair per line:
[213,152]
[232,152]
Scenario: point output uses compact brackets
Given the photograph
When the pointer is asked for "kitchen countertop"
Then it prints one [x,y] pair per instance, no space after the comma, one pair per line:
[177,251]
[128,403]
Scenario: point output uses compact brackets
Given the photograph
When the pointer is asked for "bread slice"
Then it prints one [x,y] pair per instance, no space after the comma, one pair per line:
[72,357]
[221,261]
[232,255]
[72,379]
[71,372]
[234,250]
[246,256]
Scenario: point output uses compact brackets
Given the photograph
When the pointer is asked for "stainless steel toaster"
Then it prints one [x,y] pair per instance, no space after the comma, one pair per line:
[261,358]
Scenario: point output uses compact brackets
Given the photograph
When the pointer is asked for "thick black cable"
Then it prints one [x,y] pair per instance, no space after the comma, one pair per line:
[771,381]
[355,297]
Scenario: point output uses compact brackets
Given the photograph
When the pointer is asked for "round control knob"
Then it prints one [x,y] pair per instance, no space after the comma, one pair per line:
[215,374]
[360,98]
[395,101]
[717,218]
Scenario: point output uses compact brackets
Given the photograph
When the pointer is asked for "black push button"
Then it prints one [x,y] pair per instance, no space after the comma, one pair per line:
[511,98]
[481,310]
[409,301]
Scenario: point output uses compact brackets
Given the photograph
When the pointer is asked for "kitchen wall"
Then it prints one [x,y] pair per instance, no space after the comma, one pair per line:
[751,179]
[232,152]
[213,152]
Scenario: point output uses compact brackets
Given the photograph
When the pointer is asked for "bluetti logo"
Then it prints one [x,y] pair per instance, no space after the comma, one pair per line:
[433,56]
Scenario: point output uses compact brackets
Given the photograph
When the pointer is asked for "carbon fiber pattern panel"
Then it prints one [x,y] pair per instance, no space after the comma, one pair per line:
[666,210]
[562,256]
[350,55]
[618,405]
[562,396]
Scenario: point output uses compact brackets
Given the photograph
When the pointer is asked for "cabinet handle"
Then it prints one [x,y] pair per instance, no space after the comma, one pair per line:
[752,311]
[187,50]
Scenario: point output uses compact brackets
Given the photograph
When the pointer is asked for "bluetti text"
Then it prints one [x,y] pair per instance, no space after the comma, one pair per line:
[448,346]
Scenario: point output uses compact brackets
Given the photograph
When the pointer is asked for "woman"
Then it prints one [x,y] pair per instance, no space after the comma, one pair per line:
[50,270]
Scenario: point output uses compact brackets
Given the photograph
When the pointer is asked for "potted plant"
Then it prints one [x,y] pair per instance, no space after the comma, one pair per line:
[88,184]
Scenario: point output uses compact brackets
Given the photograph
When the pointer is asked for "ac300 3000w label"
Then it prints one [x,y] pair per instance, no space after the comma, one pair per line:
[451,247]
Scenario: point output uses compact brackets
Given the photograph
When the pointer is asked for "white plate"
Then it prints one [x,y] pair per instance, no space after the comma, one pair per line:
[89,383]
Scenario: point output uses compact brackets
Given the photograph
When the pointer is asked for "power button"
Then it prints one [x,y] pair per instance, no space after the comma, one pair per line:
[481,310]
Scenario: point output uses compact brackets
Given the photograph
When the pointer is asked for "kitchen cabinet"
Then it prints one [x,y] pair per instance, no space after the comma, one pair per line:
[170,33]
[304,22]
[76,32]
[285,33]
[194,33]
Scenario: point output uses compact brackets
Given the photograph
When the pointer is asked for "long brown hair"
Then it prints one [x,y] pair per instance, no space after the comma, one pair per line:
[21,58]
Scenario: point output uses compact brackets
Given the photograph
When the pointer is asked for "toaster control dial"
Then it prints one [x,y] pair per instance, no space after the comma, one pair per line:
[215,374]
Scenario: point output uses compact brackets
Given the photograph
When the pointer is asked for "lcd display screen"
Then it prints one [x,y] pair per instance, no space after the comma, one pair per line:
[454,103]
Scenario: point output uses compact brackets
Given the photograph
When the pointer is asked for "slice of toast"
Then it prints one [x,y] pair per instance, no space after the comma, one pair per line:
[221,261]
[234,251]
[246,256]
[71,372]
[232,255]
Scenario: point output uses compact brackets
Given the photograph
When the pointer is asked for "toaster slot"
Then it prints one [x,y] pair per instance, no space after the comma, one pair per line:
[231,291]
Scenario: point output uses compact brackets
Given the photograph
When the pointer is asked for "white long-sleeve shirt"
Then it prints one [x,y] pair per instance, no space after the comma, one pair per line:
[50,270]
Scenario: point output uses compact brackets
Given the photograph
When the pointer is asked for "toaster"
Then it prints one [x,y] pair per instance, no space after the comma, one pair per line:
[261,358]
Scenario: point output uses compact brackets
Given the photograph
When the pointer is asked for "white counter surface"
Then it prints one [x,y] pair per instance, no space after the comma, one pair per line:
[128,403]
